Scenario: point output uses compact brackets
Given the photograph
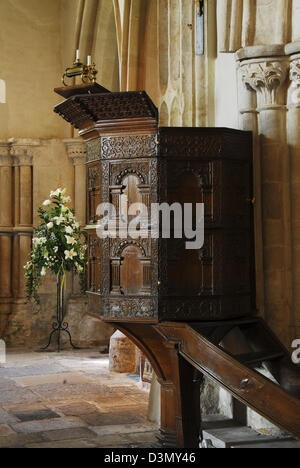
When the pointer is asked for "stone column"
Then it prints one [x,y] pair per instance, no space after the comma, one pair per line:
[293,139]
[77,153]
[248,121]
[264,71]
[76,150]
[23,151]
[6,233]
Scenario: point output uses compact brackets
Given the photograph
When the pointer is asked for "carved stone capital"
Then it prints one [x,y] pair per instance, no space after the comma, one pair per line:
[23,151]
[76,150]
[6,159]
[295,73]
[266,78]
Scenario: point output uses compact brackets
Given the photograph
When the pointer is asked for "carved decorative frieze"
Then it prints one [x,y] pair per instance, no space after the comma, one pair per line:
[129,308]
[189,146]
[266,78]
[93,150]
[203,309]
[129,147]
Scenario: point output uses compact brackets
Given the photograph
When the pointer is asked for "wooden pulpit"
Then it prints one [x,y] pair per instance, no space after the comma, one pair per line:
[153,288]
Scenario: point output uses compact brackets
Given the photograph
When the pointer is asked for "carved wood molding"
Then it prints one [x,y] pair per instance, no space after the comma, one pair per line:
[80,110]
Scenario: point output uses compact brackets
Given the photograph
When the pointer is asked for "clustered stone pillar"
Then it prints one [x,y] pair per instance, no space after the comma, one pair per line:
[293,140]
[264,72]
[6,234]
[16,157]
[22,151]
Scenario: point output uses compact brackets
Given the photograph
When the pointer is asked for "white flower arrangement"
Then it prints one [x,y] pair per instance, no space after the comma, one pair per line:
[57,244]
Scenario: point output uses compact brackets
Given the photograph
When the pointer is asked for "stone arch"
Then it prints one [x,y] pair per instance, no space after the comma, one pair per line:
[175,114]
[164,115]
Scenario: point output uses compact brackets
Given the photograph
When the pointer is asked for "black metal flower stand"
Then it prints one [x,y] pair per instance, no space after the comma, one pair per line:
[60,326]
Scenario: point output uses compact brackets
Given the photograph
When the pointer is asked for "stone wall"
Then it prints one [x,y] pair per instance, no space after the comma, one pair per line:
[38,153]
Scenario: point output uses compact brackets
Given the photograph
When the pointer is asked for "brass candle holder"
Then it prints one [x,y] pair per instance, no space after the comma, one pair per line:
[88,73]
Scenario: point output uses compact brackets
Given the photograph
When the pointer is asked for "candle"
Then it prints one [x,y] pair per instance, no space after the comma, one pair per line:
[77,55]
[89,61]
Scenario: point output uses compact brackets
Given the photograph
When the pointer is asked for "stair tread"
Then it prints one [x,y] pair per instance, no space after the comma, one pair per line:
[217,421]
[278,443]
[226,437]
[255,357]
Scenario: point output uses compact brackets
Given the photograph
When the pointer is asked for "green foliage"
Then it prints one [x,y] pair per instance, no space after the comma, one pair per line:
[58,245]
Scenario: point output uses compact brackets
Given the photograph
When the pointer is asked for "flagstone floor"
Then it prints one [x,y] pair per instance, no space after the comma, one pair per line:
[70,400]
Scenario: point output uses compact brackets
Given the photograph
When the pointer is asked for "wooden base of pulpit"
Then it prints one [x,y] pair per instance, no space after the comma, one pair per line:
[181,353]
[180,385]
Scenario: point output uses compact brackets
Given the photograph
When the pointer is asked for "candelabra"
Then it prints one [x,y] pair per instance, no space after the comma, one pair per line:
[88,73]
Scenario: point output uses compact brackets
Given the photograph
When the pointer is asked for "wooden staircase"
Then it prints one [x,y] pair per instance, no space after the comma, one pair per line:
[202,345]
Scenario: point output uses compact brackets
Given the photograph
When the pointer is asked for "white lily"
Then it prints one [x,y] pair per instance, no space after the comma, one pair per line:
[70,240]
[35,241]
[56,193]
[50,225]
[66,199]
[47,203]
[69,230]
[59,219]
[70,254]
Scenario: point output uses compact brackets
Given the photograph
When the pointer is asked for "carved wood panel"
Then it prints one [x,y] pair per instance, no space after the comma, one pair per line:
[93,191]
[158,279]
[94,258]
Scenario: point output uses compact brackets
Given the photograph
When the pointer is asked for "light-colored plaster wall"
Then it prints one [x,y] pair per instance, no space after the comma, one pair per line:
[30,66]
[226,97]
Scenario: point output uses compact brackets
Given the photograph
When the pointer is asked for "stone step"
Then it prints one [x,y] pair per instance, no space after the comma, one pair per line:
[225,433]
[226,437]
[279,443]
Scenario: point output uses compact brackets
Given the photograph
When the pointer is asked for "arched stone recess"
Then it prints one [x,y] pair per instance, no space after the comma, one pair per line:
[175,114]
[164,115]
